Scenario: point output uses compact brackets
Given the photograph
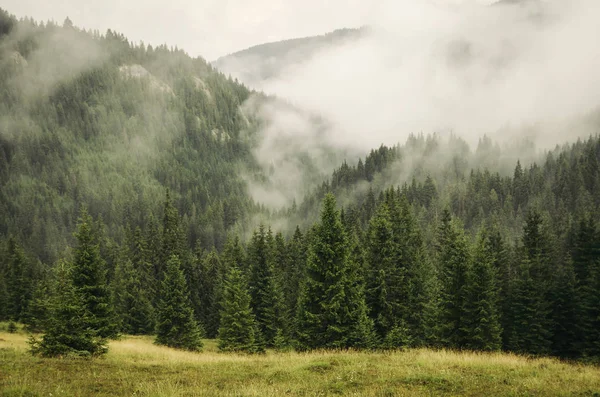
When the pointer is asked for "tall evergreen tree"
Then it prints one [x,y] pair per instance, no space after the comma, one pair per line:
[386,297]
[37,313]
[171,232]
[176,326]
[325,318]
[19,280]
[237,330]
[502,267]
[530,311]
[67,328]
[585,254]
[482,323]
[210,281]
[264,291]
[89,277]
[131,302]
[453,263]
[563,310]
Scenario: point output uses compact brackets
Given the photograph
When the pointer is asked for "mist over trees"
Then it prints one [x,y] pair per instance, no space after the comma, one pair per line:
[123,209]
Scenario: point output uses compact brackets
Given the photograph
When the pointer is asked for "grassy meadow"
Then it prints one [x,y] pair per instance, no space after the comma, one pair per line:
[136,367]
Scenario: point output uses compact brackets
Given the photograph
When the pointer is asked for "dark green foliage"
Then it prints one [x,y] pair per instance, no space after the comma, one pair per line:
[37,311]
[89,278]
[530,308]
[176,326]
[18,281]
[266,300]
[482,322]
[501,265]
[293,273]
[132,304]
[331,311]
[385,280]
[67,329]
[208,287]
[563,310]
[586,263]
[453,267]
[97,136]
[237,330]
[530,332]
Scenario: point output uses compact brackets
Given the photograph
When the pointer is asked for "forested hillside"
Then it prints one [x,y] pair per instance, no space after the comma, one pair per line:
[94,120]
[125,208]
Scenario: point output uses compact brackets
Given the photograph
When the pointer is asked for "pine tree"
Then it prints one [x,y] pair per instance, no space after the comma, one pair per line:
[530,311]
[89,277]
[585,254]
[237,330]
[67,329]
[385,280]
[4,297]
[264,292]
[529,331]
[331,312]
[482,324]
[504,274]
[418,290]
[563,307]
[453,263]
[294,272]
[131,302]
[176,326]
[19,277]
[171,233]
[37,313]
[210,281]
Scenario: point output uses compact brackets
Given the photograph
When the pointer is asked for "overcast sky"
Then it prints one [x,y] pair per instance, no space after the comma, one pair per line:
[209,28]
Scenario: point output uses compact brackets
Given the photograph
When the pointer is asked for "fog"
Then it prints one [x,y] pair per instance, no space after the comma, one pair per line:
[513,72]
[468,69]
[434,66]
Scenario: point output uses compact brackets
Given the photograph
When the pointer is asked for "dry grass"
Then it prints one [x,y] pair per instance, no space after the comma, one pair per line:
[134,366]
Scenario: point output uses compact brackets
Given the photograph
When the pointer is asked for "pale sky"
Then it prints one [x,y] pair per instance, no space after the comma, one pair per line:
[209,28]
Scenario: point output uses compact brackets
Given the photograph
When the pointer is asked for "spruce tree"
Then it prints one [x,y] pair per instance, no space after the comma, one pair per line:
[294,272]
[209,283]
[237,329]
[482,324]
[171,233]
[131,302]
[4,297]
[264,292]
[418,290]
[530,309]
[67,329]
[453,265]
[563,310]
[504,275]
[38,309]
[385,279]
[19,278]
[176,326]
[89,277]
[331,311]
[586,254]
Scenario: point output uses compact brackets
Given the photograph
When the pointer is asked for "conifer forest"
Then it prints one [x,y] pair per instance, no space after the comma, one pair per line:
[129,205]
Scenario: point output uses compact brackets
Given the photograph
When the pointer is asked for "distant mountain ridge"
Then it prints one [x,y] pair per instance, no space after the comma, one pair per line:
[265,61]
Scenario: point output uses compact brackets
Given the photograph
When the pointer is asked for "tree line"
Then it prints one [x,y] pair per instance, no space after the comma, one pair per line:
[334,286]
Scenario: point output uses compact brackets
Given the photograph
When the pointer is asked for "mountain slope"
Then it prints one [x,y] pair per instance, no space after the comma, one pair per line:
[266,61]
[90,119]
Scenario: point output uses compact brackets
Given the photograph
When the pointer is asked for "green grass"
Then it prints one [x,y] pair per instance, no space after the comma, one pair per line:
[136,367]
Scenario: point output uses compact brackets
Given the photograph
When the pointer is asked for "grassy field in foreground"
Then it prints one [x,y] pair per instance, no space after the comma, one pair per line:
[134,366]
